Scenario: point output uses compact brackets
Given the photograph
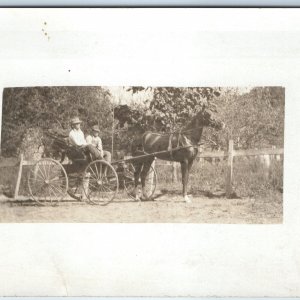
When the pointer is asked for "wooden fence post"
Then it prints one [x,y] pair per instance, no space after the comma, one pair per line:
[174,172]
[19,178]
[229,170]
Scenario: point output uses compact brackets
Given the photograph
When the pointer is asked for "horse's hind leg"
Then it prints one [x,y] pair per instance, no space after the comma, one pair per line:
[137,174]
[144,173]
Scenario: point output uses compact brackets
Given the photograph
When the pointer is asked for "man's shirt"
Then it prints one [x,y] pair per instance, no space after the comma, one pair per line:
[95,140]
[77,137]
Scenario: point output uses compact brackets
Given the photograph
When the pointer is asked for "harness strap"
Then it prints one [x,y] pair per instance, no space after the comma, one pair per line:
[182,142]
[170,147]
[179,140]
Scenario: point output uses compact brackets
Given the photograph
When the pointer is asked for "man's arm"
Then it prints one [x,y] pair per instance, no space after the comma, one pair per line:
[89,140]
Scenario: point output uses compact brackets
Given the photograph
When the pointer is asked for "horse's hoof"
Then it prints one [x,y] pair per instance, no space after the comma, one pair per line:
[146,198]
[187,199]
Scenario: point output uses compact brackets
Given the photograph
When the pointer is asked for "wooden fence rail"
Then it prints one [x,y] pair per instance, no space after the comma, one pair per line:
[229,155]
[251,152]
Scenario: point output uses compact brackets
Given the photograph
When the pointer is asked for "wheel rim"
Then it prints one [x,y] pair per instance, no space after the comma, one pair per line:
[150,182]
[100,182]
[47,182]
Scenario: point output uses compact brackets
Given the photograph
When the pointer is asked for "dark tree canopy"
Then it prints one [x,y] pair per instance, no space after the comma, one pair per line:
[52,107]
[254,118]
[169,109]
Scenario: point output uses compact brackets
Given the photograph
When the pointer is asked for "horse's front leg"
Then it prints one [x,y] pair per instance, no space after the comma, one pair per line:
[184,177]
[144,174]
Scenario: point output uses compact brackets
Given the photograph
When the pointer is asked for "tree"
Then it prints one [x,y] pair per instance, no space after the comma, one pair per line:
[52,108]
[169,109]
[254,119]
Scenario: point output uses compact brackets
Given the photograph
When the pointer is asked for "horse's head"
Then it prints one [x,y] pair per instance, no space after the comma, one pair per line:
[207,118]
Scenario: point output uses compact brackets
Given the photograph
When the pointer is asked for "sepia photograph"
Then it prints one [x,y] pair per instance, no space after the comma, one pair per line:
[142,154]
[149,152]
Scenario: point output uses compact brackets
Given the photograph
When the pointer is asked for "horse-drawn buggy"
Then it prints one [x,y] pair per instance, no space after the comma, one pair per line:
[98,182]
[74,174]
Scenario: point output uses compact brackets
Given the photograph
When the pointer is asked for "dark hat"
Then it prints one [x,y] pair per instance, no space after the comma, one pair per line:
[96,128]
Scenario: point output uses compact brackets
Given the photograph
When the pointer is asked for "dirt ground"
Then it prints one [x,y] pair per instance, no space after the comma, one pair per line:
[167,208]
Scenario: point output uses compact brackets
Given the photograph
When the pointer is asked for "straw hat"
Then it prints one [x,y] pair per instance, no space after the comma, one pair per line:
[96,128]
[75,120]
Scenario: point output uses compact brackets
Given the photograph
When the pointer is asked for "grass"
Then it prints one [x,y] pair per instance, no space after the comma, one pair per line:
[259,198]
[250,178]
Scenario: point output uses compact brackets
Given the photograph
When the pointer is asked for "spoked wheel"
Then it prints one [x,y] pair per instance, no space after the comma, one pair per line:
[47,182]
[100,182]
[150,182]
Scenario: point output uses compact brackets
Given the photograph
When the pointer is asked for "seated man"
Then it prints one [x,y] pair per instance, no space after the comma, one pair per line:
[77,139]
[95,140]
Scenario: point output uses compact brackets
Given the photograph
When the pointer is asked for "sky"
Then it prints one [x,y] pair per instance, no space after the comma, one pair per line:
[121,95]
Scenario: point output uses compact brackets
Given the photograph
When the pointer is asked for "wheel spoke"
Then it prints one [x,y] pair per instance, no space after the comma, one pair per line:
[35,180]
[99,191]
[110,185]
[51,188]
[60,190]
[93,172]
[36,173]
[45,171]
[106,187]
[96,170]
[55,174]
[47,166]
[94,186]
[37,191]
[101,174]
[51,168]
[47,181]
[49,193]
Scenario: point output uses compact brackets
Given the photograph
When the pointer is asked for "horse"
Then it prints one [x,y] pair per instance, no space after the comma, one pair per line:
[181,146]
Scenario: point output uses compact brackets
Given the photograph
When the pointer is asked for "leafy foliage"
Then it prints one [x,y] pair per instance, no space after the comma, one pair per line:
[52,108]
[254,119]
[168,110]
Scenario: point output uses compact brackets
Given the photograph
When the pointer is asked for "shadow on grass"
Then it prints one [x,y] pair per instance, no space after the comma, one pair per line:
[199,193]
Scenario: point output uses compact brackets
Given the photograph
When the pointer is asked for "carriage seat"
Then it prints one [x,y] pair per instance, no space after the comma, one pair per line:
[78,155]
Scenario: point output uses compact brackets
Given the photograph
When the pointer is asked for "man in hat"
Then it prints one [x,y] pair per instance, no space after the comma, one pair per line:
[76,137]
[95,140]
